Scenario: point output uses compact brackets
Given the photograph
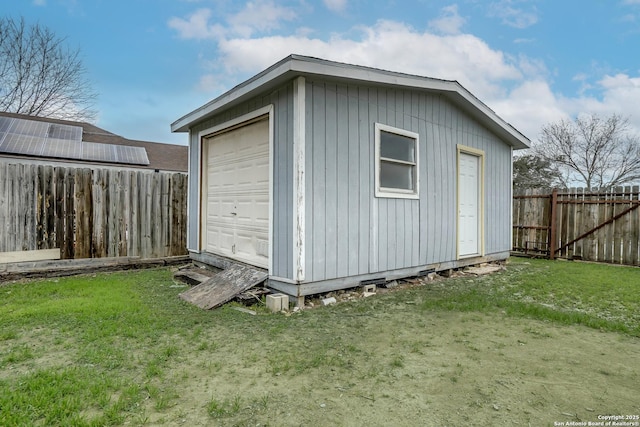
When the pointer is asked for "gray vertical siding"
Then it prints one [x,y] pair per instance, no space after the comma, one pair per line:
[192,199]
[282,101]
[348,230]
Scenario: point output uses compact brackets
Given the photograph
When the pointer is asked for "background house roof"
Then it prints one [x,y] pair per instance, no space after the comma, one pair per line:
[298,65]
[166,157]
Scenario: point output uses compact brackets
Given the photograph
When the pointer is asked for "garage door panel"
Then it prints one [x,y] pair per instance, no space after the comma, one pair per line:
[249,245]
[262,247]
[251,209]
[257,213]
[221,242]
[263,163]
[262,210]
[252,176]
[238,193]
[227,240]
[221,180]
[221,210]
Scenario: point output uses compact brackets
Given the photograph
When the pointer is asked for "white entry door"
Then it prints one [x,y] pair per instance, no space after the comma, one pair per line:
[469,204]
[235,199]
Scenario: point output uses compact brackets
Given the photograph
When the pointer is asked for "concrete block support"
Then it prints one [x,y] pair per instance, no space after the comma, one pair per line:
[277,302]
[369,289]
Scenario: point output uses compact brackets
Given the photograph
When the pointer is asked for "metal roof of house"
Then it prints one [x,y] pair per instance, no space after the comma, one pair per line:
[80,142]
[298,65]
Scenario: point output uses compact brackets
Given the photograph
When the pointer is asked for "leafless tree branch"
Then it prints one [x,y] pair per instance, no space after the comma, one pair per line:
[40,76]
[596,152]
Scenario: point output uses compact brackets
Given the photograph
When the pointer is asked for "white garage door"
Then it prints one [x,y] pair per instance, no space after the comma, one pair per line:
[469,187]
[236,194]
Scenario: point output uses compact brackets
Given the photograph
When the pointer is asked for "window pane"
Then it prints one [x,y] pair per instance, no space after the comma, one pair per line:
[396,175]
[394,146]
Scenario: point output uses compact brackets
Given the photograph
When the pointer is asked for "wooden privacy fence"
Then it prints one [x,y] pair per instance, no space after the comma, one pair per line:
[92,212]
[579,224]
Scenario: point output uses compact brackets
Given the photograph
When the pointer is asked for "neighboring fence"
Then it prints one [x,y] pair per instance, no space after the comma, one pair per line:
[92,212]
[577,224]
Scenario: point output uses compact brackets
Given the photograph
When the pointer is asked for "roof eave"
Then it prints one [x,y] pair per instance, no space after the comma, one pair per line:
[485,115]
[295,65]
[272,76]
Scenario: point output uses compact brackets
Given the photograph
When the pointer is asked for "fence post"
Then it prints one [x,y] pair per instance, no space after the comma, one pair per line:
[553,215]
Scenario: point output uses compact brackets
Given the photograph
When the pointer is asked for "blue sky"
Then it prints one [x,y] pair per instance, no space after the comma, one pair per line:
[532,61]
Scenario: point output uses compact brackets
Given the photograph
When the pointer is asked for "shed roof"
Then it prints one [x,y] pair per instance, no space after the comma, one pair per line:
[166,157]
[298,65]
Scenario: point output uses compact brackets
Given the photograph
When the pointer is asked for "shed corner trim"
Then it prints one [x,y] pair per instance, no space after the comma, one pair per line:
[299,126]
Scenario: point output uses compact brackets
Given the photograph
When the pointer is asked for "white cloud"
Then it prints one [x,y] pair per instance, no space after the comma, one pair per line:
[620,94]
[533,103]
[532,68]
[621,81]
[518,88]
[520,91]
[336,5]
[210,83]
[514,13]
[611,94]
[256,16]
[261,16]
[449,22]
[529,106]
[585,85]
[196,26]
[388,45]
[40,2]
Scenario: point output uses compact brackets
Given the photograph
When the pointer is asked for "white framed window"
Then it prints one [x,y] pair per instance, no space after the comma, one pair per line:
[396,162]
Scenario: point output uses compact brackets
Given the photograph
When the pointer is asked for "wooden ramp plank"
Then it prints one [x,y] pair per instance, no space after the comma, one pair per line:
[193,278]
[222,287]
[26,256]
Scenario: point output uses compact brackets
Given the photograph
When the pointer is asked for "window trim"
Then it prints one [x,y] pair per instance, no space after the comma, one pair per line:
[396,193]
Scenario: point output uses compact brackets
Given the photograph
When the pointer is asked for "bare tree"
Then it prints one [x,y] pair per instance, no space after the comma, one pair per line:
[592,151]
[40,76]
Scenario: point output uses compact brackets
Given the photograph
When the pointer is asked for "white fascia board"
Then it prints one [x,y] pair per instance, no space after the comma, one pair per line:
[242,90]
[310,66]
[489,118]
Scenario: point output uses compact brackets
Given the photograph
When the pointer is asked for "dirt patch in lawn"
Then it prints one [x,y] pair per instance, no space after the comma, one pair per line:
[440,368]
[389,359]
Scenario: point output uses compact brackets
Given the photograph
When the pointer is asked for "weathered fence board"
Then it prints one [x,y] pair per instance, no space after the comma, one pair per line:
[92,213]
[531,222]
[579,224]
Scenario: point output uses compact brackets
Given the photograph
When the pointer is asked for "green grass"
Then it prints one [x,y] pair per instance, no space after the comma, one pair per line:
[110,349]
[596,295]
[114,324]
[227,408]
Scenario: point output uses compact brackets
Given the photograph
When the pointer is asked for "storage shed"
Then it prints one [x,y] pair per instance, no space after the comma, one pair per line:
[328,175]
